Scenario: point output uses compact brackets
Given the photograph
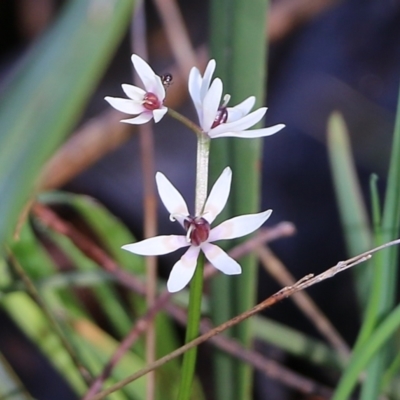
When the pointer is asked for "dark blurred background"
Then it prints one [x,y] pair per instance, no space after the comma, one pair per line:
[324,56]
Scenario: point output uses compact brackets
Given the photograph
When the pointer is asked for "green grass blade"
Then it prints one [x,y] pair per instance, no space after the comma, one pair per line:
[384,289]
[234,26]
[46,96]
[364,353]
[352,209]
[10,386]
[297,343]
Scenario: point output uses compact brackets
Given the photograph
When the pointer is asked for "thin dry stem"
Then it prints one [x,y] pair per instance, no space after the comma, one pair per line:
[305,303]
[303,283]
[139,46]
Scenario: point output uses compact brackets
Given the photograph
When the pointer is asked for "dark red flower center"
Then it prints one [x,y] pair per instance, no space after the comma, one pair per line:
[198,230]
[151,102]
[221,117]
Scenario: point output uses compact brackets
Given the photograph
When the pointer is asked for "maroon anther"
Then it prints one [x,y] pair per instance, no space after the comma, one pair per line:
[151,102]
[221,117]
[198,229]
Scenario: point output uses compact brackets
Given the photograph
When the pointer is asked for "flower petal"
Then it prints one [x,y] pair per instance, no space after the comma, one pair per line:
[182,272]
[146,74]
[211,103]
[240,110]
[194,86]
[220,260]
[159,113]
[238,226]
[157,245]
[140,119]
[239,125]
[171,198]
[218,196]
[133,92]
[207,79]
[253,133]
[126,106]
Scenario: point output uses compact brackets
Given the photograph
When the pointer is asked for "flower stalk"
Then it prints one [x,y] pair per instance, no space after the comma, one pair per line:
[196,287]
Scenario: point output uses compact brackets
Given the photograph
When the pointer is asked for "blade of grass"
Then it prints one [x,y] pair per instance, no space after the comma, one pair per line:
[364,353]
[383,293]
[242,68]
[352,209]
[47,94]
[10,386]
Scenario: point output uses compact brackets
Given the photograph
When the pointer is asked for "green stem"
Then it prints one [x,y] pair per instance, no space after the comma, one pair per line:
[196,286]
[194,312]
[186,121]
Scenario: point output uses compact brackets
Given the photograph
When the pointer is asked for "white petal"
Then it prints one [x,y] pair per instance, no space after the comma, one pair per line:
[194,85]
[220,260]
[240,110]
[157,245]
[171,198]
[182,272]
[207,79]
[211,103]
[218,196]
[239,125]
[126,106]
[140,119]
[238,226]
[159,113]
[254,133]
[146,74]
[133,92]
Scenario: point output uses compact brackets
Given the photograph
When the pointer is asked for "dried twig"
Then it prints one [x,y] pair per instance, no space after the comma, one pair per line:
[146,136]
[303,283]
[305,303]
[141,325]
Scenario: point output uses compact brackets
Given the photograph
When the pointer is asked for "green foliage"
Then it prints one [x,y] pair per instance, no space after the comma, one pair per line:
[47,94]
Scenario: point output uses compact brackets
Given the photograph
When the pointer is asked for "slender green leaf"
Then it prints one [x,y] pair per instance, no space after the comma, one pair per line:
[10,386]
[383,293]
[352,209]
[47,95]
[364,353]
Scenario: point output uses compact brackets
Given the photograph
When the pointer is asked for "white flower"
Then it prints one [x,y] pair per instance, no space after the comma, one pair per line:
[218,120]
[146,104]
[199,236]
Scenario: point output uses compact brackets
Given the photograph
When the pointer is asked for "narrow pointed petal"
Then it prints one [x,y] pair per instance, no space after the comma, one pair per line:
[211,103]
[170,196]
[140,119]
[182,272]
[242,109]
[220,260]
[126,106]
[159,113]
[218,196]
[238,226]
[253,133]
[207,78]
[133,92]
[146,74]
[239,125]
[194,86]
[157,245]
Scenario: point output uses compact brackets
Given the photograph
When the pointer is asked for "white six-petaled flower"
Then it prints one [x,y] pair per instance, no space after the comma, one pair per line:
[199,235]
[216,119]
[145,104]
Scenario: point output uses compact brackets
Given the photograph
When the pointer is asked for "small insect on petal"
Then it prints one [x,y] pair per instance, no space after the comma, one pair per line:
[167,80]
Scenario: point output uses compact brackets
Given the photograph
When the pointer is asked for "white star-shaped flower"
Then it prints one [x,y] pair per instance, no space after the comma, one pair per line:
[199,235]
[145,104]
[216,119]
